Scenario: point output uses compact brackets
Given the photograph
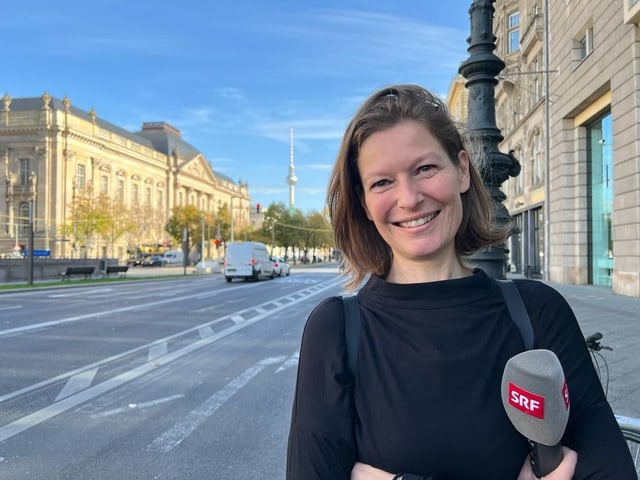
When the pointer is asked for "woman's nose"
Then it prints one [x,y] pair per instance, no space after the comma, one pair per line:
[409,193]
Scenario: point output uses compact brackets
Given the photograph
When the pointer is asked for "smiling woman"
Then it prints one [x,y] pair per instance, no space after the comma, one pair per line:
[408,206]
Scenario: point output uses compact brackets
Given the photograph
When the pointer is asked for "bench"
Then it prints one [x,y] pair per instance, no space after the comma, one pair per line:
[79,270]
[119,269]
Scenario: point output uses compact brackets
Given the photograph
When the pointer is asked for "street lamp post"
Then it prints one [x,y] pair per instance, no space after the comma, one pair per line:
[33,180]
[480,70]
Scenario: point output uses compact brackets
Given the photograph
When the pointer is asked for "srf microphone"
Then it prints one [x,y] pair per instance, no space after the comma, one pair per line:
[536,400]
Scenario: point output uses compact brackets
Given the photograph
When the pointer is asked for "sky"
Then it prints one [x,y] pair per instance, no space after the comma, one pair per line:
[234,76]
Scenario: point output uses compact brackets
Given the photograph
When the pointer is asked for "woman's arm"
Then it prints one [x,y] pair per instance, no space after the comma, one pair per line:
[321,438]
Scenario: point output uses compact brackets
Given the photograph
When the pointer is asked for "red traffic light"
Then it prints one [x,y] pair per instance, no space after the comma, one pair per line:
[257,208]
[217,242]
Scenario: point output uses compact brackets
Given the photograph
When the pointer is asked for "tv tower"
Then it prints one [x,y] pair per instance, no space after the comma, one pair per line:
[291,179]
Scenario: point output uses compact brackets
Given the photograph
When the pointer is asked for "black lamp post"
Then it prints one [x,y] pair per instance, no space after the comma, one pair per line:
[480,70]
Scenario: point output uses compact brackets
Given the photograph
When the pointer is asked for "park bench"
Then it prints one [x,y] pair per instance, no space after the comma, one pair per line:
[77,270]
[119,269]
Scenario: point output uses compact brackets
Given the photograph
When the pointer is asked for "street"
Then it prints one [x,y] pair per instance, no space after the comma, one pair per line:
[184,378]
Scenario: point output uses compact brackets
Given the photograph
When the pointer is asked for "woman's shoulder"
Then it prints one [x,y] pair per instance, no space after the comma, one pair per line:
[327,318]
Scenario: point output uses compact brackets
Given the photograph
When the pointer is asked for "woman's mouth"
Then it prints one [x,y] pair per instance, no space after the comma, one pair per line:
[418,221]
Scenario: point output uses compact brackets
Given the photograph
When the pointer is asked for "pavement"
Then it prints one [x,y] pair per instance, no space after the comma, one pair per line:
[617,317]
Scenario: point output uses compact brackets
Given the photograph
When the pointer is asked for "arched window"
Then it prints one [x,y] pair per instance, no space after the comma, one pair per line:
[23,218]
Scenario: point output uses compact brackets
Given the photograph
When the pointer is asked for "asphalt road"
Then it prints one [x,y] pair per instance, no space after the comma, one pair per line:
[183,378]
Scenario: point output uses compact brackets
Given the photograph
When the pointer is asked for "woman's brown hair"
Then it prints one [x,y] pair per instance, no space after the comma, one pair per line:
[363,249]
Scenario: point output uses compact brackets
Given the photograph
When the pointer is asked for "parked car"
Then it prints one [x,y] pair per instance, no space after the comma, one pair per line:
[153,261]
[173,257]
[280,267]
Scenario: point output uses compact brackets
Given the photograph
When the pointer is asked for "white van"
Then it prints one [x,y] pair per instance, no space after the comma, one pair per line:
[247,260]
[173,257]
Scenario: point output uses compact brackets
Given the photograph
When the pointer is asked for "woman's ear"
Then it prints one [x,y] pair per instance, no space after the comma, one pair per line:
[463,168]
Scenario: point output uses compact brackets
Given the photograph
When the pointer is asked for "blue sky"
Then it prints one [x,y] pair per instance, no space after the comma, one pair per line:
[234,76]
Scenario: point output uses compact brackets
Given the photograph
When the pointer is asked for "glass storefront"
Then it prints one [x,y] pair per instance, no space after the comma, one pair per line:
[600,197]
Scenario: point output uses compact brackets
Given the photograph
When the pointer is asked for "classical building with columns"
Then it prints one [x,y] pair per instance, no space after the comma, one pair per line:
[54,153]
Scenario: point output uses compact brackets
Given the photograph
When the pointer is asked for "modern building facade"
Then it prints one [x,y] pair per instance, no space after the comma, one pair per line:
[55,155]
[572,118]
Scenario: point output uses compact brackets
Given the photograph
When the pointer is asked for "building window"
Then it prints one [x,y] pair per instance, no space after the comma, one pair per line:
[160,199]
[23,220]
[121,190]
[513,32]
[104,185]
[147,196]
[536,160]
[135,194]
[24,171]
[81,177]
[180,199]
[585,43]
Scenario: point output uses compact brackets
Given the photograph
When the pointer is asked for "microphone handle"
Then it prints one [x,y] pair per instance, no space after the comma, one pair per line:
[545,459]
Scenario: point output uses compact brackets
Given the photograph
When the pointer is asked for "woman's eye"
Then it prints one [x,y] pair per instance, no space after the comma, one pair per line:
[380,183]
[429,169]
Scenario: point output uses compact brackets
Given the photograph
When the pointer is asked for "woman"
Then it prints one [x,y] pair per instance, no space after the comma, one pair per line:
[408,207]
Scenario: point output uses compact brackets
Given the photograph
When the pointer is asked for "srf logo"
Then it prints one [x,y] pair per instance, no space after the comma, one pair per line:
[525,401]
[565,395]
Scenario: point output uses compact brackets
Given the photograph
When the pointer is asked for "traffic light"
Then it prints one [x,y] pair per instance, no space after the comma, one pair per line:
[257,208]
[217,242]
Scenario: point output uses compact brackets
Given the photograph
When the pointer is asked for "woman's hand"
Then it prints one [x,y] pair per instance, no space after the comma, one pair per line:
[362,471]
[564,471]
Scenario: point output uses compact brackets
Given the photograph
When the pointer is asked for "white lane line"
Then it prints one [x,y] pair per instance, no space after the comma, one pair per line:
[136,406]
[261,310]
[139,306]
[77,383]
[205,332]
[175,435]
[292,361]
[237,318]
[11,308]
[157,350]
[84,293]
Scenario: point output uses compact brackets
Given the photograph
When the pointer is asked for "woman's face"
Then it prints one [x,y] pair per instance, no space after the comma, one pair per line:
[412,192]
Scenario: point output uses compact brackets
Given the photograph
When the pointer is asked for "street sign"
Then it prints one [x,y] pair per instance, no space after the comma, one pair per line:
[38,253]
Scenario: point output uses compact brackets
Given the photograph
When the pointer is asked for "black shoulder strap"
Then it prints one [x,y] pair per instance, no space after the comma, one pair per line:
[518,311]
[352,329]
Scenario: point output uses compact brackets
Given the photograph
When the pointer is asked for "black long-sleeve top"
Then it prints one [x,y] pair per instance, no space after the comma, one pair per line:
[426,396]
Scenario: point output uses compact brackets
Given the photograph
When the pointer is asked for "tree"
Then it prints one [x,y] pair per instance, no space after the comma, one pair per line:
[185,216]
[90,217]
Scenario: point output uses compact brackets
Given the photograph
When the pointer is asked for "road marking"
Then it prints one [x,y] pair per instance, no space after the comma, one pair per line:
[175,435]
[24,423]
[77,383]
[237,318]
[136,406]
[11,308]
[292,361]
[157,350]
[205,332]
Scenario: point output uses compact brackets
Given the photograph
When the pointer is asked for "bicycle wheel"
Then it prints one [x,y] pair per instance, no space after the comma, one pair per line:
[630,428]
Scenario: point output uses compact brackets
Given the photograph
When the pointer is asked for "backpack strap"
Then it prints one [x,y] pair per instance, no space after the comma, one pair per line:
[517,311]
[352,329]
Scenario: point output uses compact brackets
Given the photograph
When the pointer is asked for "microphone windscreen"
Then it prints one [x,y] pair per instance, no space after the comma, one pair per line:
[535,396]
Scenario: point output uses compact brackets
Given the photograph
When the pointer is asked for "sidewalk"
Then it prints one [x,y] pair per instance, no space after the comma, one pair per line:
[617,317]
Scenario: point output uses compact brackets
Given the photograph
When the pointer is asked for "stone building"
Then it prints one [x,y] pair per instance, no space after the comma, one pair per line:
[55,154]
[572,119]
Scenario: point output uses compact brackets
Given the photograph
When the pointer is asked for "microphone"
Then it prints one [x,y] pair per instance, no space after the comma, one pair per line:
[536,400]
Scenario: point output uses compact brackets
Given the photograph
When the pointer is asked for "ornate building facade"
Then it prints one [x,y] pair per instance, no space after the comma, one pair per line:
[568,105]
[55,154]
